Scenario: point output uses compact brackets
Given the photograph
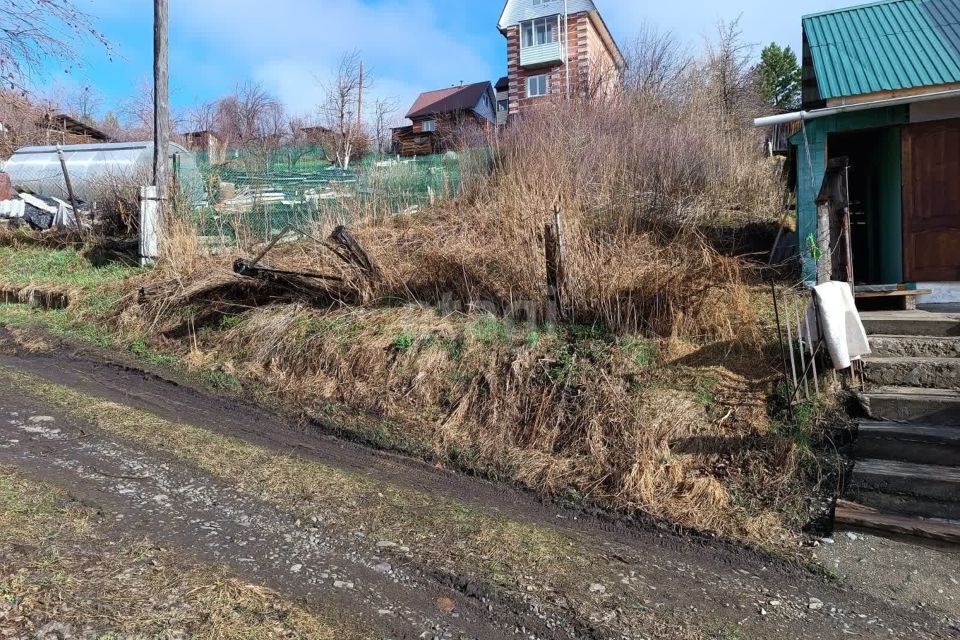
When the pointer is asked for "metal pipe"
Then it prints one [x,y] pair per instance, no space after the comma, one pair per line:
[798,116]
[566,44]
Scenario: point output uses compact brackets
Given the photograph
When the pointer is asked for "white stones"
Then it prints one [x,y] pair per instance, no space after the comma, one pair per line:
[596,587]
[815,604]
[342,584]
[297,568]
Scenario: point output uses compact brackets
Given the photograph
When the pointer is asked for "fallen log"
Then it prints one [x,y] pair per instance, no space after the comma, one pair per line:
[342,243]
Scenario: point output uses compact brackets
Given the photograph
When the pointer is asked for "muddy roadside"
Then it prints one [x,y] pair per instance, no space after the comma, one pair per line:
[695,586]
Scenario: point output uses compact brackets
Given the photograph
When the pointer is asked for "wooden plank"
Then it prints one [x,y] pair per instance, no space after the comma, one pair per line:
[857,515]
[894,294]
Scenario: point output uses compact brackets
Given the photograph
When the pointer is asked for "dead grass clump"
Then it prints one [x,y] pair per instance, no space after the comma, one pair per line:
[619,421]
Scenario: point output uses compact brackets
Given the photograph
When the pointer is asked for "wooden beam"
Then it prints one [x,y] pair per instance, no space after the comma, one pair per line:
[857,515]
[891,95]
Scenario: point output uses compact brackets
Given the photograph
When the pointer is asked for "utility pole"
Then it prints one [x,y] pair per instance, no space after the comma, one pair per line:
[161,101]
[153,198]
[360,98]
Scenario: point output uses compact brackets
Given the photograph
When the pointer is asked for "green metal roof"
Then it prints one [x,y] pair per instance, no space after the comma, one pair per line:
[897,44]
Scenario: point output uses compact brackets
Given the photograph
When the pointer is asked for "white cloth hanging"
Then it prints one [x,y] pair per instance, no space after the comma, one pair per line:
[843,333]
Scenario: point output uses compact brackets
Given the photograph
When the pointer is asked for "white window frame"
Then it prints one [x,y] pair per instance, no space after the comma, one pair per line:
[539,31]
[546,85]
[428,126]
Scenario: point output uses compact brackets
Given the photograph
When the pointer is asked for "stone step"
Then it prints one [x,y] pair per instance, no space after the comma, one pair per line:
[907,404]
[928,373]
[908,488]
[911,323]
[924,444]
[915,346]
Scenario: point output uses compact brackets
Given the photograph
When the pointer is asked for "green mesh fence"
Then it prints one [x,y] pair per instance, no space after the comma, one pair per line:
[252,197]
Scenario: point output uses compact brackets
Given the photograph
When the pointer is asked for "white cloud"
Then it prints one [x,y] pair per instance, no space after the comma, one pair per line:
[291,45]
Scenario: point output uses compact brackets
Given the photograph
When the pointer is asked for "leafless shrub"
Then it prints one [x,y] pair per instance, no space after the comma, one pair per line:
[341,111]
[34,32]
[657,64]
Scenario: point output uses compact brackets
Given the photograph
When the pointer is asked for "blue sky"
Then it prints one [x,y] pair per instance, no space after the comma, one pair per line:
[410,45]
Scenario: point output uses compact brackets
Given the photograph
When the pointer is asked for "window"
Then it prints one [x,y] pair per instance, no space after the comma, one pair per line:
[539,31]
[538,86]
[429,125]
[503,105]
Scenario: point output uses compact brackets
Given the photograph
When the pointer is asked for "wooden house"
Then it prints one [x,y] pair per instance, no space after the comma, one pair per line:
[878,147]
[209,143]
[62,129]
[558,48]
[446,119]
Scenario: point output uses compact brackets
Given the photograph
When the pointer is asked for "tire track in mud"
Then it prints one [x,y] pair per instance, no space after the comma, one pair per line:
[174,505]
[707,569]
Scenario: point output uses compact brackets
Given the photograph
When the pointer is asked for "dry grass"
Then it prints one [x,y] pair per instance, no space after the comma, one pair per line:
[651,395]
[523,559]
[60,570]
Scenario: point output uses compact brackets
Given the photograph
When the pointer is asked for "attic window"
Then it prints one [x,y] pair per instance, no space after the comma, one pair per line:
[540,31]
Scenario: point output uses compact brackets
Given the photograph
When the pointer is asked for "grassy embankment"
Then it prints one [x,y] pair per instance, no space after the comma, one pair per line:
[651,396]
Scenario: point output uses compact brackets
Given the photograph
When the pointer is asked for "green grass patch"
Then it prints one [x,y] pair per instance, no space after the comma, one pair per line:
[58,267]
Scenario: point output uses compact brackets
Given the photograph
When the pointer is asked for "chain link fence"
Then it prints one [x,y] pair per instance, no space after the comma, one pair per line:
[252,197]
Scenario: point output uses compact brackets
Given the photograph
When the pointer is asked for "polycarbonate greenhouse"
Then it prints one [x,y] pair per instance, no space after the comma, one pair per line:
[96,169]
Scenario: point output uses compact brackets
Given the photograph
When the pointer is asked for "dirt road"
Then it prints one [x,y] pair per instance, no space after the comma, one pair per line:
[424,553]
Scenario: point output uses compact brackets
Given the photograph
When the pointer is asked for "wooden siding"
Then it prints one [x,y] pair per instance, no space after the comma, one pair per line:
[517,11]
[541,54]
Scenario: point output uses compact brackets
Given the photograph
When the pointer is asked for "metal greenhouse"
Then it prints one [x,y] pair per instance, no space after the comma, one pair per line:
[98,169]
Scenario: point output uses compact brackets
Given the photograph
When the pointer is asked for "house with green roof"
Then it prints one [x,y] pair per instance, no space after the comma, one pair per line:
[881,105]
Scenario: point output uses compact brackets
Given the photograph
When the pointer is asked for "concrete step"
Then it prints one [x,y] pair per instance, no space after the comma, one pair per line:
[928,373]
[915,347]
[911,323]
[924,444]
[908,488]
[907,404]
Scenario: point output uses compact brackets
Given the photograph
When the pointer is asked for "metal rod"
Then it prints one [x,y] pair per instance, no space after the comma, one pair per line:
[816,311]
[803,361]
[793,357]
[776,311]
[270,246]
[66,179]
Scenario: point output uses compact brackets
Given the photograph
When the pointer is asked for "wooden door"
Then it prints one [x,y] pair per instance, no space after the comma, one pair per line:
[931,201]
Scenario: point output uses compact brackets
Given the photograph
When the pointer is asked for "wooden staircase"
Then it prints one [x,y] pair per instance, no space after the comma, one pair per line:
[906,472]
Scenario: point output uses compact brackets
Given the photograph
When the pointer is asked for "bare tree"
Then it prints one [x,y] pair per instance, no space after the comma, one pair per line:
[20,119]
[34,32]
[249,117]
[341,109]
[656,63]
[84,103]
[384,110]
[137,113]
[730,72]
